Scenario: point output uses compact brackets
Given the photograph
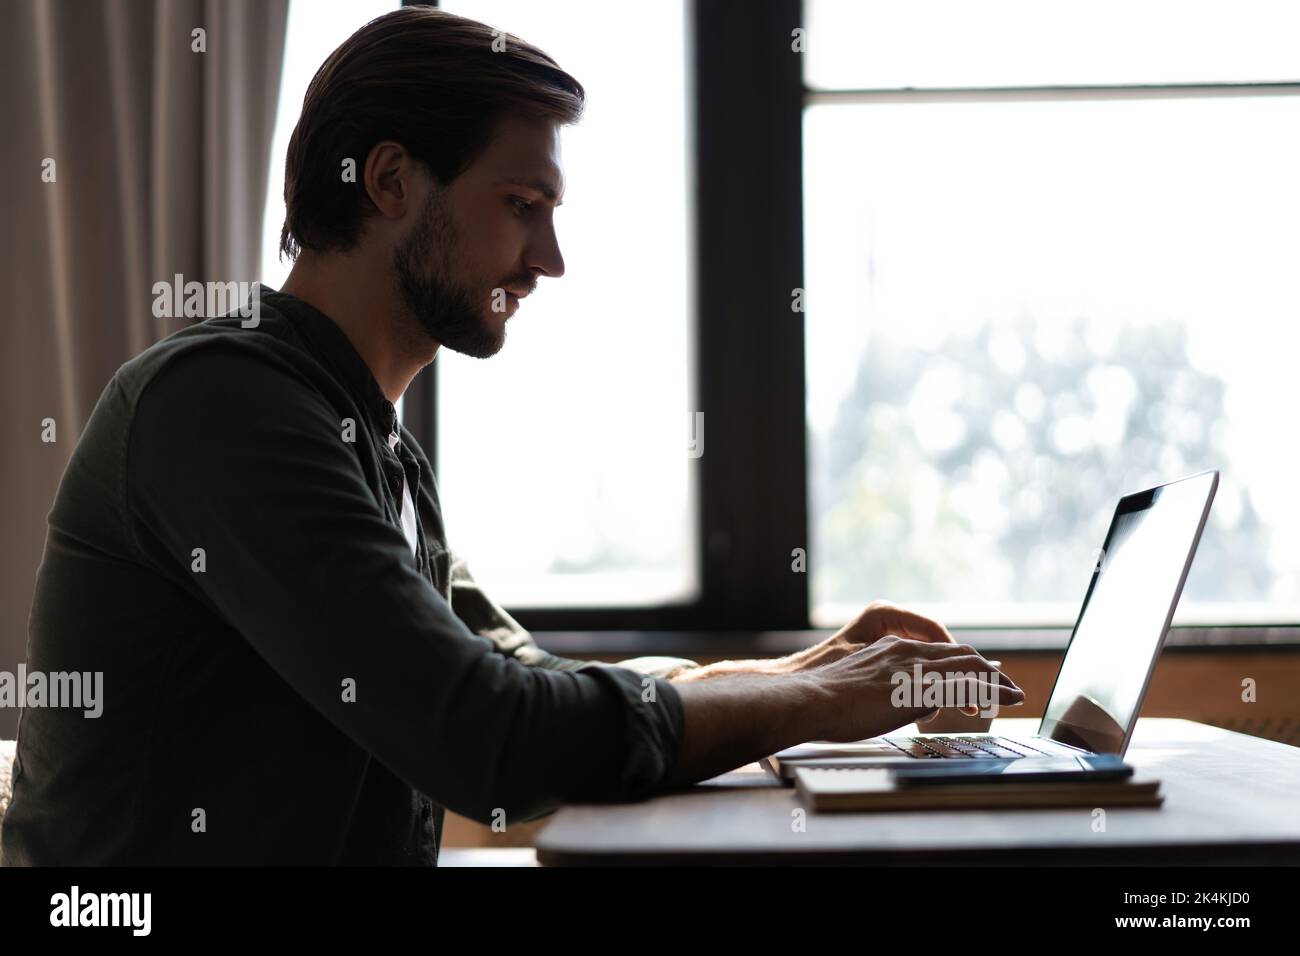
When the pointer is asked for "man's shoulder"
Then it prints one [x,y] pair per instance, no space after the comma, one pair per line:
[229,344]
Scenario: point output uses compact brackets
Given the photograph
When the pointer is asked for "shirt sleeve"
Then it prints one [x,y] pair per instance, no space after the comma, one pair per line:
[241,458]
[486,618]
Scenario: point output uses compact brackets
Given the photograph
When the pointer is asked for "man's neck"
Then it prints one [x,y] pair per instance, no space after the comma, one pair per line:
[368,312]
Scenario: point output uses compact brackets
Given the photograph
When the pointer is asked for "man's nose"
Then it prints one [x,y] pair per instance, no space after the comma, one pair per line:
[544,255]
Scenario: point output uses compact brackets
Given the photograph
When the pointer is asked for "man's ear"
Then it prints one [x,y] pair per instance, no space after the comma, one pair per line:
[389,179]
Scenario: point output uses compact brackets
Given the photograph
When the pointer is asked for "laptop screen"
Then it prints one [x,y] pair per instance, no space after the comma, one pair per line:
[1135,586]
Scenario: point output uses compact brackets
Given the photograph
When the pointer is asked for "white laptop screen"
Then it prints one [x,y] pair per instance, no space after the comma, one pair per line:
[1127,609]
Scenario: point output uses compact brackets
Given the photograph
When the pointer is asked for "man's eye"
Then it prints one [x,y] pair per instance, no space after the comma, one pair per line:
[522,205]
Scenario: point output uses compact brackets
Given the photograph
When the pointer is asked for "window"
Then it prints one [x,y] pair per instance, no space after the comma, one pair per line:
[563,461]
[1026,301]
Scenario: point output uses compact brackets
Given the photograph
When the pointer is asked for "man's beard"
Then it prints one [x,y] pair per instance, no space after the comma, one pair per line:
[446,311]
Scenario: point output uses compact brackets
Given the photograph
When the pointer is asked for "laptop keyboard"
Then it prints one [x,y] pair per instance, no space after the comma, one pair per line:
[975,748]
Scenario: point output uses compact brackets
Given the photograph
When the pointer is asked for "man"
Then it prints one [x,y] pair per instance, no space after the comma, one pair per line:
[250,548]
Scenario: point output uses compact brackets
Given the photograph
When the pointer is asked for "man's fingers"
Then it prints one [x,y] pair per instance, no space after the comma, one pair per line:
[937,650]
[941,658]
[971,669]
[969,688]
[918,627]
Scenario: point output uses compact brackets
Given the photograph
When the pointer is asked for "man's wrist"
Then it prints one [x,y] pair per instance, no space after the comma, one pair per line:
[730,723]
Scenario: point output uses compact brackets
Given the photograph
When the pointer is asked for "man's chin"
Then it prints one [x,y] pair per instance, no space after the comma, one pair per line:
[485,345]
[480,340]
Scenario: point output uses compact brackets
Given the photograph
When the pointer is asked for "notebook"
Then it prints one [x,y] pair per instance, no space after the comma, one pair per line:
[832,789]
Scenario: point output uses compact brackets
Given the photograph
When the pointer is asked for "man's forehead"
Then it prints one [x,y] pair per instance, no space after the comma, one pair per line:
[548,182]
[528,154]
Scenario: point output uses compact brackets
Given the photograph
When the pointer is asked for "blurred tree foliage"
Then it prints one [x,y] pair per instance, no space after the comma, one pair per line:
[989,472]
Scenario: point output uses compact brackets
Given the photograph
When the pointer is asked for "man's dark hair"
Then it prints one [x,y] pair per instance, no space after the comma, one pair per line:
[432,81]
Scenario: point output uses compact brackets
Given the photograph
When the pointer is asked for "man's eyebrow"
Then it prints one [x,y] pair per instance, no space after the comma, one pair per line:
[539,185]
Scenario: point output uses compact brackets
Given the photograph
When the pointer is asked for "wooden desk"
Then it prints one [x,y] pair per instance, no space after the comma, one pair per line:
[1230,799]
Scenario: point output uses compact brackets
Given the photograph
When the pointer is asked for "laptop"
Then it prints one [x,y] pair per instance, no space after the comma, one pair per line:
[1098,692]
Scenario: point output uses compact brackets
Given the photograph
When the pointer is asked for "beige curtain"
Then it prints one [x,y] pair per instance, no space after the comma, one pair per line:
[159,157]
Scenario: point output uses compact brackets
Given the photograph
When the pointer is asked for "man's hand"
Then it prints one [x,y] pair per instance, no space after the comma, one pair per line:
[878,619]
[735,720]
[858,687]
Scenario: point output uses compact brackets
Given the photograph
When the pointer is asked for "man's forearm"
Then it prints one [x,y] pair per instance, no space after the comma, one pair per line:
[765,667]
[737,719]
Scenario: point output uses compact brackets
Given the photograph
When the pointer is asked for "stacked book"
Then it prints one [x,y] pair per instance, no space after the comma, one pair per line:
[828,789]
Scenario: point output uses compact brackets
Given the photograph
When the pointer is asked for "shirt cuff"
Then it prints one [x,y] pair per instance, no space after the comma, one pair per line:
[652,731]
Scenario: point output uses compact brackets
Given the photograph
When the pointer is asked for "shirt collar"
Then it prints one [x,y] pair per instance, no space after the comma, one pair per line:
[331,344]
